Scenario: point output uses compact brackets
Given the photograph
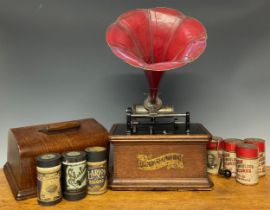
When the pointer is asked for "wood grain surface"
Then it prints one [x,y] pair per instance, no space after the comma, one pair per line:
[227,195]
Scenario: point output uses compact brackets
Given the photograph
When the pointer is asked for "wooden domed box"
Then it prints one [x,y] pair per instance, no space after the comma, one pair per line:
[26,143]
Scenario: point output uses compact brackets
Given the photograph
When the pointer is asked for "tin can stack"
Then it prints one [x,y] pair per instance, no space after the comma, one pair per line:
[245,159]
[71,175]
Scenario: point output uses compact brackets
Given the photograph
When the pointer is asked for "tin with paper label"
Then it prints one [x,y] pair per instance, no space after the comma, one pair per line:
[74,175]
[48,179]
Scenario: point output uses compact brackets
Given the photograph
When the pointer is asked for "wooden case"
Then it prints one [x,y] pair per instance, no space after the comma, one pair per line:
[26,143]
[160,162]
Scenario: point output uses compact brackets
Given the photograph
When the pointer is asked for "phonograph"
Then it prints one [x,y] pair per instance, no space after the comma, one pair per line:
[157,148]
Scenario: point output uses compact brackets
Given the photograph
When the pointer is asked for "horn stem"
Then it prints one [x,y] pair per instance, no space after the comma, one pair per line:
[153,78]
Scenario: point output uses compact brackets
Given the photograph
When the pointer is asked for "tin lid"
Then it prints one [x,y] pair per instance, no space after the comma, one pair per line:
[73,156]
[212,145]
[259,142]
[217,138]
[247,150]
[230,144]
[96,154]
[216,143]
[48,160]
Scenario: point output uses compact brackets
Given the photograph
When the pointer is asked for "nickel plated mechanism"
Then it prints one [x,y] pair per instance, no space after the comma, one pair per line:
[155,118]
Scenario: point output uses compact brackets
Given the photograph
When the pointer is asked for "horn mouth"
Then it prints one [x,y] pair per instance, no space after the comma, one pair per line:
[156,40]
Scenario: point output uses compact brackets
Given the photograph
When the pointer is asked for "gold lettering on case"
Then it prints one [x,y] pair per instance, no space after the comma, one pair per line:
[170,161]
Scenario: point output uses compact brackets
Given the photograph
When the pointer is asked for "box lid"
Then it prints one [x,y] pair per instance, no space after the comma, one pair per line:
[34,140]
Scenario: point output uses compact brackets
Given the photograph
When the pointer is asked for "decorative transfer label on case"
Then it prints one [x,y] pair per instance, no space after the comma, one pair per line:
[170,160]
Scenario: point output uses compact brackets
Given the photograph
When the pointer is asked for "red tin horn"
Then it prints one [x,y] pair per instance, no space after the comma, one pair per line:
[156,40]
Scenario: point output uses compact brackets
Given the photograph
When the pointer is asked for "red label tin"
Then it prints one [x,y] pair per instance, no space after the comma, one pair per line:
[230,155]
[214,154]
[247,164]
[261,146]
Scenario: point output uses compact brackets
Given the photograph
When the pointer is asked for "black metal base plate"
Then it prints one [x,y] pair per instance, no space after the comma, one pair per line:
[195,128]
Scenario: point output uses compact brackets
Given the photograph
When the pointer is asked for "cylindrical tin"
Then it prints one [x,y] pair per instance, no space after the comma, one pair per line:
[229,154]
[96,170]
[214,154]
[247,164]
[74,175]
[48,179]
[261,146]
